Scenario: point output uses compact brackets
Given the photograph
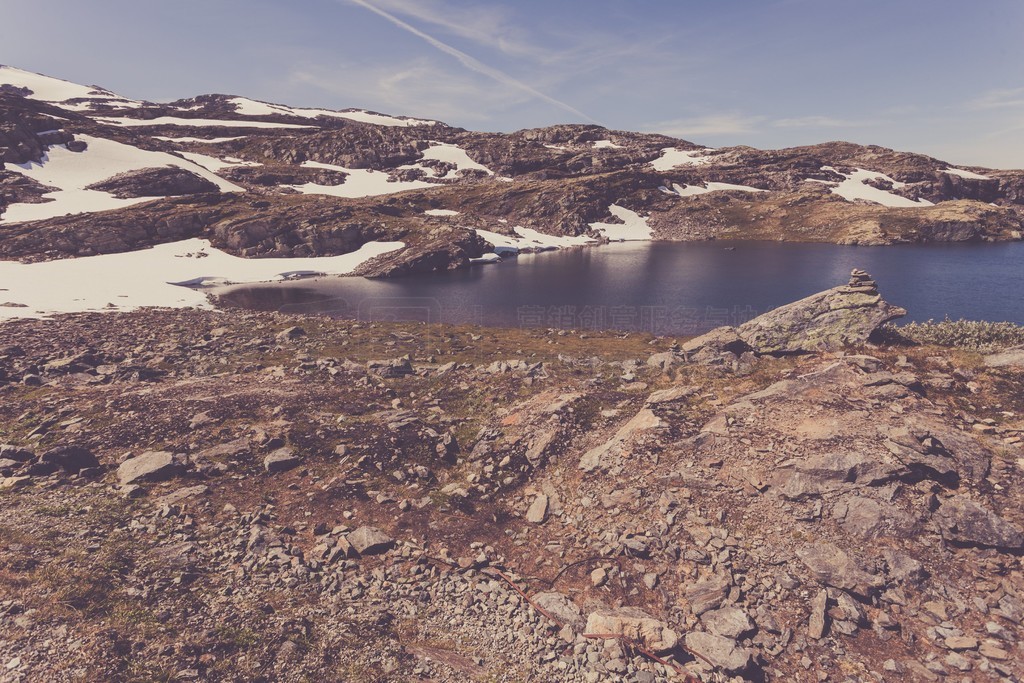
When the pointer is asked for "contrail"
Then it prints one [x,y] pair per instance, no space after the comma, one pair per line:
[472,63]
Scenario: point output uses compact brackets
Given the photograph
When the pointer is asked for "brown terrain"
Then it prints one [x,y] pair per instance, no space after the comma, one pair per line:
[237,496]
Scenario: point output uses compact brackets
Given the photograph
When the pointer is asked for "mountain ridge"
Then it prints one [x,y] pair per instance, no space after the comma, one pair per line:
[363,167]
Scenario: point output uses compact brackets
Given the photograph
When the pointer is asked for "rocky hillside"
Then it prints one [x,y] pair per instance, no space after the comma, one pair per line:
[86,171]
[228,496]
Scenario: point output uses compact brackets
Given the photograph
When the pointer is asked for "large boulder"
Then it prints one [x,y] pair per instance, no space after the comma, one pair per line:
[368,540]
[70,458]
[825,321]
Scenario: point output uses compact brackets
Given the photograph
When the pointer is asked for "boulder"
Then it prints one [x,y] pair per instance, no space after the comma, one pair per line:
[155,182]
[723,653]
[833,567]
[730,622]
[635,625]
[965,522]
[70,458]
[12,452]
[150,466]
[707,594]
[560,607]
[281,460]
[825,321]
[538,511]
[1013,358]
[368,540]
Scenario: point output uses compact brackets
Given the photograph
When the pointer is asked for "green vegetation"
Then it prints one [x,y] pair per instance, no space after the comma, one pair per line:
[965,334]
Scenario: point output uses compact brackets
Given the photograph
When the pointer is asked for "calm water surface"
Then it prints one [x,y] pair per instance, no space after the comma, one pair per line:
[666,287]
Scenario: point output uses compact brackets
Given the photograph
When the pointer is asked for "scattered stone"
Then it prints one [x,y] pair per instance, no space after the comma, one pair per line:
[280,460]
[368,540]
[149,466]
[538,511]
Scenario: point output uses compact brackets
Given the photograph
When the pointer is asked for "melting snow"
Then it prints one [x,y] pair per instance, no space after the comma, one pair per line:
[606,144]
[198,123]
[214,164]
[211,141]
[247,107]
[530,239]
[50,89]
[71,172]
[150,277]
[453,154]
[635,227]
[671,158]
[855,187]
[692,190]
[441,212]
[965,174]
[361,182]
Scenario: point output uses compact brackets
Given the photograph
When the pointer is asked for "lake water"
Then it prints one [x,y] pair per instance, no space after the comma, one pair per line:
[666,287]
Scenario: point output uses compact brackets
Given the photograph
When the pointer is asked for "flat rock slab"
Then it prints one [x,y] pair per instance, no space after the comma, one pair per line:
[538,511]
[280,460]
[635,625]
[368,540]
[833,567]
[150,466]
[963,521]
[723,653]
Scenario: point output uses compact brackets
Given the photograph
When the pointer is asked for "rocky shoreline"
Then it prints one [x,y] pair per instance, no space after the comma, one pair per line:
[226,495]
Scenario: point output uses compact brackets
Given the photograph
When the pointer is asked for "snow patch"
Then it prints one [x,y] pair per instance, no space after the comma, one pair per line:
[528,239]
[855,187]
[441,212]
[693,190]
[72,172]
[671,158]
[487,258]
[634,228]
[247,107]
[48,89]
[361,182]
[965,174]
[209,141]
[214,164]
[606,144]
[197,123]
[453,154]
[151,277]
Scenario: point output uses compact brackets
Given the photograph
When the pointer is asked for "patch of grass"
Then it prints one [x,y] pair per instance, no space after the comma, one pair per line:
[978,335]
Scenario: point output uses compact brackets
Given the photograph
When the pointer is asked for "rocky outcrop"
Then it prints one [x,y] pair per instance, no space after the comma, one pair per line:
[826,321]
[155,182]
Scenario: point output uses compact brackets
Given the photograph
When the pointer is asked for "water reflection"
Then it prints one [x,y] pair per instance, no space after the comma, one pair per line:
[668,288]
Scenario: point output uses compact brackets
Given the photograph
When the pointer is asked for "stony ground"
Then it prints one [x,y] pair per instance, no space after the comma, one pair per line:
[226,496]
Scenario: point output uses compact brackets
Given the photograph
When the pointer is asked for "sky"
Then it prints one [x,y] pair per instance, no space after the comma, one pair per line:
[939,77]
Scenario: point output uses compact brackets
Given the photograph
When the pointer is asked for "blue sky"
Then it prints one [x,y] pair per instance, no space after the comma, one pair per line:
[935,76]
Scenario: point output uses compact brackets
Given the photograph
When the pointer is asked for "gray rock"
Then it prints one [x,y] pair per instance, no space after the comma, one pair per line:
[723,653]
[633,624]
[818,623]
[150,466]
[1014,358]
[730,622]
[290,333]
[560,607]
[538,511]
[70,458]
[12,452]
[833,567]
[368,540]
[707,594]
[825,321]
[280,460]
[963,521]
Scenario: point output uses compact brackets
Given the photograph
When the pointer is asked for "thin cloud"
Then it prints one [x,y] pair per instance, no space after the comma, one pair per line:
[714,124]
[999,99]
[819,122]
[470,62]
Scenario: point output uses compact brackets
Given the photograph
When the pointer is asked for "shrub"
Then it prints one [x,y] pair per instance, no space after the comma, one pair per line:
[978,335]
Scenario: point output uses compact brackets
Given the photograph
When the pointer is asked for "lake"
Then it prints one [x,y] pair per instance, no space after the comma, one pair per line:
[666,287]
